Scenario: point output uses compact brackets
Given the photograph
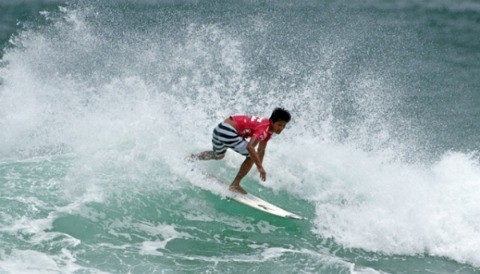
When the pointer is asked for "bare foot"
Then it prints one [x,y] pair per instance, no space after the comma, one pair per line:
[238,189]
[191,158]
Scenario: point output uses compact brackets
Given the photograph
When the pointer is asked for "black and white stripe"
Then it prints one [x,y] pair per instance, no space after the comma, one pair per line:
[225,136]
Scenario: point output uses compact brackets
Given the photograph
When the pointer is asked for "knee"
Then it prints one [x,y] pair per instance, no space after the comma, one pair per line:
[219,157]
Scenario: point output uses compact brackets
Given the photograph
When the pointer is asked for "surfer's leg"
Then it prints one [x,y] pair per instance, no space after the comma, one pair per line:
[244,169]
[223,137]
[209,155]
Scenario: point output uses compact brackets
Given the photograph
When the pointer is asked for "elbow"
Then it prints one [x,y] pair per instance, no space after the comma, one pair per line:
[250,148]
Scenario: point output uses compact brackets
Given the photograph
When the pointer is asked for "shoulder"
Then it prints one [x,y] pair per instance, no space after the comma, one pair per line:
[262,131]
[262,124]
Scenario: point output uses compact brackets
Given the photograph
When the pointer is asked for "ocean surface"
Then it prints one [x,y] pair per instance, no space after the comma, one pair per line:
[101,101]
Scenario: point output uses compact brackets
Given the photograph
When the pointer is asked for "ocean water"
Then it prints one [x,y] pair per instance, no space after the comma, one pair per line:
[100,102]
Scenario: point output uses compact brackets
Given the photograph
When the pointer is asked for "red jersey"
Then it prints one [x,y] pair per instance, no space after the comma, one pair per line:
[248,126]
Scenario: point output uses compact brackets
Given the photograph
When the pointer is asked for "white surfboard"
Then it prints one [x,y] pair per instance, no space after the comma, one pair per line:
[257,203]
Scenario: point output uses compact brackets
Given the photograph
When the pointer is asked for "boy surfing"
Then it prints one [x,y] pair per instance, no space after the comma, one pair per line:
[233,132]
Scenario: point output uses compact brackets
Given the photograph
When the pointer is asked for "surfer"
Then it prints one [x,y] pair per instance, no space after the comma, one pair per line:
[233,132]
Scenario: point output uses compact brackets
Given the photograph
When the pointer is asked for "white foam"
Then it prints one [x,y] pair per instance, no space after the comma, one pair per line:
[369,201]
[265,227]
[151,247]
[30,261]
[132,114]
[167,232]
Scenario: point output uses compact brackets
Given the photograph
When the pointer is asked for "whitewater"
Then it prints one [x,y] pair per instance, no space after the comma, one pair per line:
[101,102]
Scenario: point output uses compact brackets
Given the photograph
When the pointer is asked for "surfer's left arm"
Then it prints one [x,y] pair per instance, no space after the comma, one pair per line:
[261,150]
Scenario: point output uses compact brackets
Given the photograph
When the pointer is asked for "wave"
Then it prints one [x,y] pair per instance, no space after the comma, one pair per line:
[130,99]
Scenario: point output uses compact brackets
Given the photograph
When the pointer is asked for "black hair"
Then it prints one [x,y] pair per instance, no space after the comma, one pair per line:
[280,114]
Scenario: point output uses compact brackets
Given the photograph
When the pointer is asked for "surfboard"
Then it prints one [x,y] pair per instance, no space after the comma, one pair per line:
[258,203]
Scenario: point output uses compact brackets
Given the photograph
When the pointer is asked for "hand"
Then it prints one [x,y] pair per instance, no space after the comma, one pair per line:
[263,174]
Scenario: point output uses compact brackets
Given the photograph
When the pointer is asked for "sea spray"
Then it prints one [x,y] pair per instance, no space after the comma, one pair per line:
[101,103]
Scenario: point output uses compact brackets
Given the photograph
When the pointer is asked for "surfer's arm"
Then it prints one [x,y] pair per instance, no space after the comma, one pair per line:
[261,150]
[256,157]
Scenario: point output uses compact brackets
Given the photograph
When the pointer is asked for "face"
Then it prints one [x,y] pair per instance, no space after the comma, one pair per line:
[278,126]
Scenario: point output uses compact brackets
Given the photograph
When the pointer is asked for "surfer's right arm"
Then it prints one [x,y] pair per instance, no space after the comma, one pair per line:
[255,157]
